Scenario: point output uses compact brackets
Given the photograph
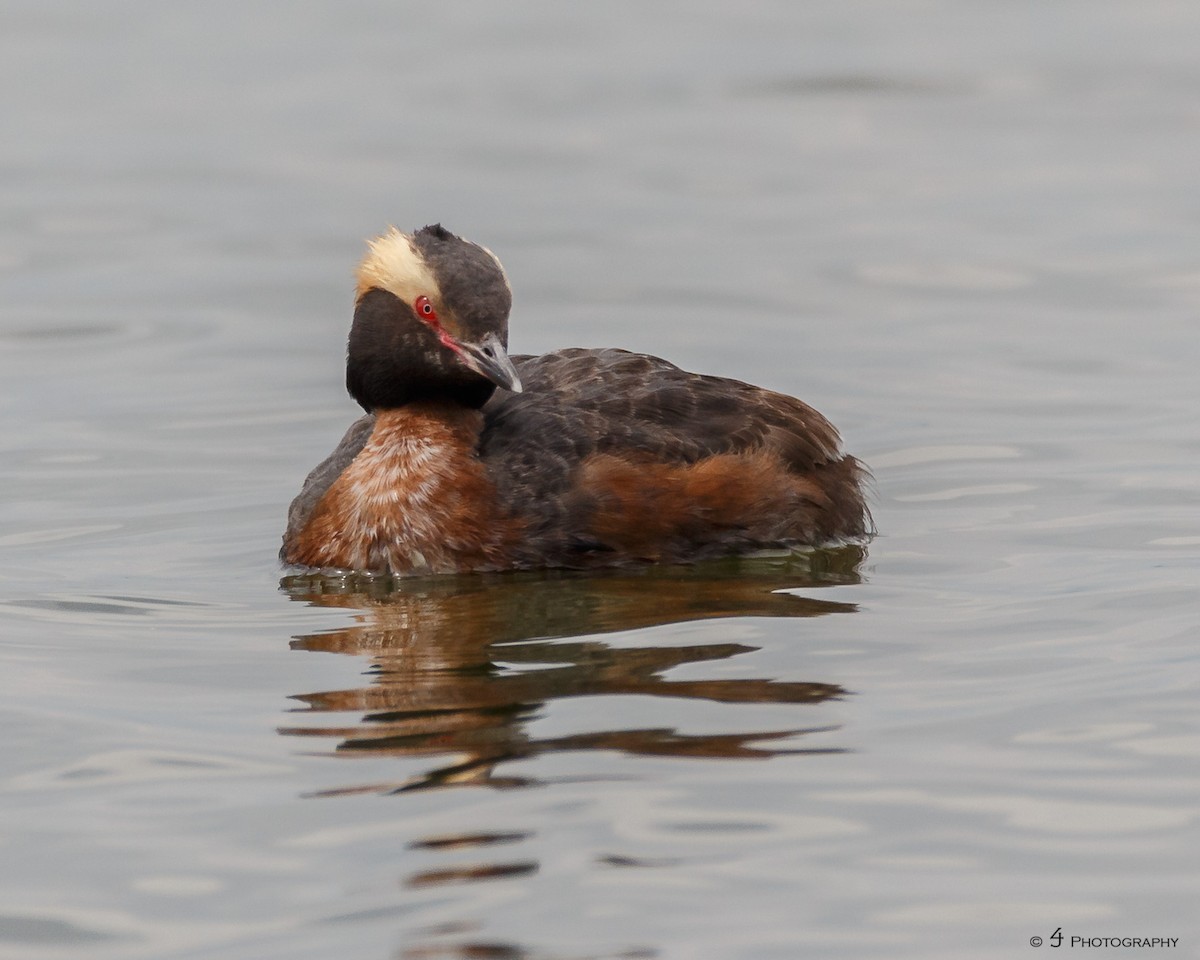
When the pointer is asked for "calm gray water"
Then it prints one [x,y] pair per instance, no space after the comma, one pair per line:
[967,232]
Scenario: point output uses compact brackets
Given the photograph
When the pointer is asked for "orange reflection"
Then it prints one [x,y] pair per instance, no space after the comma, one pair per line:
[460,664]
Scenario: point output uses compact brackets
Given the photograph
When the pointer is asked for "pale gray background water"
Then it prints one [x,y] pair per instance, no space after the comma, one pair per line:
[968,232]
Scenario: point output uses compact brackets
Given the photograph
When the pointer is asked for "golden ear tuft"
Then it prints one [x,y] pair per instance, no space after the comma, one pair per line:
[394,264]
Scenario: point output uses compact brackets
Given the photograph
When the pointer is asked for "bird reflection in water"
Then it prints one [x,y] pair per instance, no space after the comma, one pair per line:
[460,665]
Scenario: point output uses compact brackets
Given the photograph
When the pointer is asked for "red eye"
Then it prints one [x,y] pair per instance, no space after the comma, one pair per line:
[424,308]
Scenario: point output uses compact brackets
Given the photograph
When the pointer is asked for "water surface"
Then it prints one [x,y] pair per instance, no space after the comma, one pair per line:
[966,232]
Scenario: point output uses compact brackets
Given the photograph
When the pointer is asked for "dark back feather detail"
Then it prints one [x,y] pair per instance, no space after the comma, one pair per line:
[604,445]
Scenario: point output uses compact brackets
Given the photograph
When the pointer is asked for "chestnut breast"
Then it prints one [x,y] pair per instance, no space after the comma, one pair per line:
[414,499]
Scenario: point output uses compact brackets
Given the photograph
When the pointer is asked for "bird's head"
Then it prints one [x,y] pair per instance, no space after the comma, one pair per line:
[430,322]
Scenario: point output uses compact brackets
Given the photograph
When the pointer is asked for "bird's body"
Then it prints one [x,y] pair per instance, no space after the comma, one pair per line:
[604,457]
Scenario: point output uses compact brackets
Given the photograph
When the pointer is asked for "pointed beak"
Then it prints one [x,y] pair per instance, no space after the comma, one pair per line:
[488,358]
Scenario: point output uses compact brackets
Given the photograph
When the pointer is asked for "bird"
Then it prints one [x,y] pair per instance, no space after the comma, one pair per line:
[469,460]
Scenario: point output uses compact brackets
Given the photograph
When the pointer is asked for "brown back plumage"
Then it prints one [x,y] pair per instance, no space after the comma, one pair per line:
[611,455]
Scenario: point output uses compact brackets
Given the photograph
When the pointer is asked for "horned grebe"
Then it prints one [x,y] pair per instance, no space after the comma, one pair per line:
[583,457]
